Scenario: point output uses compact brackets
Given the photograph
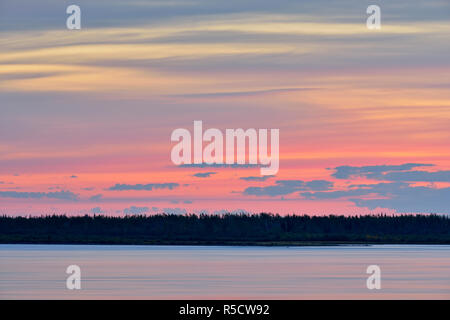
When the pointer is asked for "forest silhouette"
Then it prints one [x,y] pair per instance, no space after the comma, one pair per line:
[226,229]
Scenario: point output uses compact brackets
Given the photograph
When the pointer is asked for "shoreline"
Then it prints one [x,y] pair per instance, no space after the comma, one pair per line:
[223,243]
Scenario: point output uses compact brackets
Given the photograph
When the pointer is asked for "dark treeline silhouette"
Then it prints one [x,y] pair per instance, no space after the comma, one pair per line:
[233,229]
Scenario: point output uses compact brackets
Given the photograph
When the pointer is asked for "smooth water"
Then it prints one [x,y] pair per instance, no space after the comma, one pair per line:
[200,272]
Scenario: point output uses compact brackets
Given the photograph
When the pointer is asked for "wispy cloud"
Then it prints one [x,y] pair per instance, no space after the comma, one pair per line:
[243,93]
[60,195]
[204,174]
[136,210]
[347,172]
[424,176]
[260,178]
[148,186]
[285,187]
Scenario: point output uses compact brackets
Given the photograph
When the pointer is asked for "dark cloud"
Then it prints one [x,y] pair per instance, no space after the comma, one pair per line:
[174,211]
[74,176]
[136,210]
[88,189]
[373,172]
[96,197]
[291,183]
[261,178]
[425,176]
[149,186]
[60,195]
[355,190]
[392,173]
[284,187]
[224,212]
[272,191]
[204,174]
[399,196]
[412,199]
[169,210]
[97,210]
[319,185]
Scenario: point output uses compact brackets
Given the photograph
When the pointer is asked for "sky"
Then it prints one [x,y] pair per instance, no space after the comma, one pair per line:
[86,115]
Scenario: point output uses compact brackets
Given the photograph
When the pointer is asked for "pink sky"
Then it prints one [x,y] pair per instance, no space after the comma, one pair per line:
[83,111]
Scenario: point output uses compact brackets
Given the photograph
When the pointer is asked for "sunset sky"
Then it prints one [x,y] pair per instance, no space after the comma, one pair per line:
[86,115]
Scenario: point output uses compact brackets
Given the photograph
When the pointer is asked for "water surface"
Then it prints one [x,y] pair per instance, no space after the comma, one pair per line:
[201,272]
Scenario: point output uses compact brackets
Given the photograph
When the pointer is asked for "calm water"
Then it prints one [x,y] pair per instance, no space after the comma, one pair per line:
[174,272]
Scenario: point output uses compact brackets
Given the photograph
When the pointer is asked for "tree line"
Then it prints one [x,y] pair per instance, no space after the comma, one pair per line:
[233,229]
